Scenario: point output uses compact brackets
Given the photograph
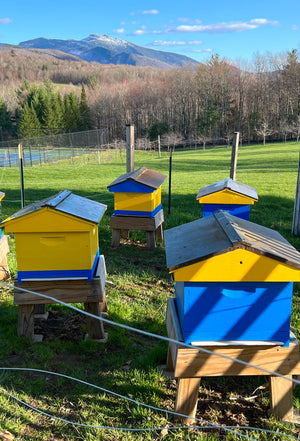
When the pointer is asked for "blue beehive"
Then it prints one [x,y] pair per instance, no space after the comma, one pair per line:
[228,195]
[234,280]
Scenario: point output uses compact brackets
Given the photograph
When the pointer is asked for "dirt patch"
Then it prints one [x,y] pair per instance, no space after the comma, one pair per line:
[61,325]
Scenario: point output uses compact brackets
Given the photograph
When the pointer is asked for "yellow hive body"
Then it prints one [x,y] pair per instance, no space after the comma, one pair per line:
[50,239]
[138,201]
[226,196]
[238,266]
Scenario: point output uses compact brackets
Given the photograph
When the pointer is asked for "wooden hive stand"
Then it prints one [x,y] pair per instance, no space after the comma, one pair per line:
[121,225]
[91,293]
[188,365]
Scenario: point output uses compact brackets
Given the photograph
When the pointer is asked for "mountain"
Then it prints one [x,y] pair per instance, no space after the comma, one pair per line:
[107,50]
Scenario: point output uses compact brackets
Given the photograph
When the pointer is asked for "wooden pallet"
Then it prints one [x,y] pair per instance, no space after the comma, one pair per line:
[121,225]
[188,365]
[91,293]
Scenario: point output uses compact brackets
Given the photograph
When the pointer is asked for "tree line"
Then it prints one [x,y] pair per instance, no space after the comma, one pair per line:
[260,99]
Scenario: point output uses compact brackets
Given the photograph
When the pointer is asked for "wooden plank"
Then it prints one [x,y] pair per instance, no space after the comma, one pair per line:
[26,321]
[95,328]
[281,398]
[187,398]
[137,222]
[101,276]
[284,360]
[159,233]
[68,291]
[4,248]
[150,238]
[116,236]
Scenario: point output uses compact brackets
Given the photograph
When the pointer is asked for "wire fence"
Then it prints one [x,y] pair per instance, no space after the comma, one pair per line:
[91,145]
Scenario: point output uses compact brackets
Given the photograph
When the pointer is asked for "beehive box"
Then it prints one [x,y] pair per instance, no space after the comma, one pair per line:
[137,193]
[56,237]
[234,280]
[228,195]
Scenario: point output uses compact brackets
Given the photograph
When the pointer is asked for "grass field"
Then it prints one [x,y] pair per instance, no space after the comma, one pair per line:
[138,286]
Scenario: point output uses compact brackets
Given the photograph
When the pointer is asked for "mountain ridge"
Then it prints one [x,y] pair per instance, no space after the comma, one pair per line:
[108,50]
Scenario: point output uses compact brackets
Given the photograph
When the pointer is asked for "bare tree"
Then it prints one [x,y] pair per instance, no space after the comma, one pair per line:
[264,130]
[296,128]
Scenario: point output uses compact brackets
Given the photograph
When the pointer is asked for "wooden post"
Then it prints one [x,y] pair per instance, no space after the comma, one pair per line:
[187,398]
[296,216]
[158,142]
[21,158]
[281,397]
[129,148]
[234,155]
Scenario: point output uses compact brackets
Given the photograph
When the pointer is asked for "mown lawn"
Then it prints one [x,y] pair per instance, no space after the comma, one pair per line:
[138,286]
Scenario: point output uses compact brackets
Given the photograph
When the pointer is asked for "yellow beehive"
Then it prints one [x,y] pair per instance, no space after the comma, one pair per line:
[137,193]
[57,237]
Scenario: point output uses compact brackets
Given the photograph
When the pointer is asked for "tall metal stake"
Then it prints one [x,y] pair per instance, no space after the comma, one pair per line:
[21,158]
[170,180]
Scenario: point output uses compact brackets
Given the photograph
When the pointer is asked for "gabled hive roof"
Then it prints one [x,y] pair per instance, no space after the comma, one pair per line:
[65,202]
[229,184]
[221,233]
[142,175]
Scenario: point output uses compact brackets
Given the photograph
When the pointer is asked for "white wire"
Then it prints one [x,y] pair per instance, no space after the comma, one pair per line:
[210,425]
[149,334]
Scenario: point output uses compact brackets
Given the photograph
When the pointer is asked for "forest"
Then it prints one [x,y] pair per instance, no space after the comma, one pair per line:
[40,94]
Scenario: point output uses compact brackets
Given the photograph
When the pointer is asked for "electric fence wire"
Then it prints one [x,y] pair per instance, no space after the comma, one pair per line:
[150,334]
[211,425]
[231,429]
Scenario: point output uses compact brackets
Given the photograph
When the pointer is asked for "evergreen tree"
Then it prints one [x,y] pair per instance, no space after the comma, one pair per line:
[29,124]
[85,114]
[6,127]
[71,113]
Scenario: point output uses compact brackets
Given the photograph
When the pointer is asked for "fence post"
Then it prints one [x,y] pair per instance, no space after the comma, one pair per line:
[158,142]
[296,215]
[129,148]
[234,154]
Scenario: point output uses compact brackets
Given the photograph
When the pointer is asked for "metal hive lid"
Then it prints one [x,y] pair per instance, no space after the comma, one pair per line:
[221,233]
[230,184]
[66,202]
[142,175]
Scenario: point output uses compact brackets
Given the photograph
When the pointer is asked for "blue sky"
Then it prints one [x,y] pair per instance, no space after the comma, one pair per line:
[196,28]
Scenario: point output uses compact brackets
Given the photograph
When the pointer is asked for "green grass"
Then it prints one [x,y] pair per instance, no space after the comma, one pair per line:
[138,288]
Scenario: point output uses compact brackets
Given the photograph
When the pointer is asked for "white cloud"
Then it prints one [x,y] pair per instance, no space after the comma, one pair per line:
[151,11]
[119,31]
[237,26]
[295,28]
[201,51]
[183,19]
[175,43]
[216,28]
[5,20]
[139,32]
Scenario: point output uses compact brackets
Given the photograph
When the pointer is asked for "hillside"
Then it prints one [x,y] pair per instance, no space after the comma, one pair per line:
[107,50]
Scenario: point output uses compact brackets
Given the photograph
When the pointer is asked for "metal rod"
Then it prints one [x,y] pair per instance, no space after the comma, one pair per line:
[21,175]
